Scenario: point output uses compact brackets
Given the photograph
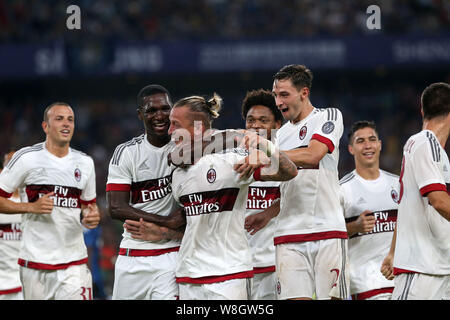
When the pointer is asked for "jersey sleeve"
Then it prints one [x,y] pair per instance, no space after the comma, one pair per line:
[426,163]
[89,194]
[329,129]
[13,175]
[119,171]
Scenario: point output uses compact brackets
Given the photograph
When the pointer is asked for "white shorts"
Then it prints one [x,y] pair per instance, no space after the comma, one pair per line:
[419,286]
[12,296]
[234,289]
[145,278]
[305,268]
[73,283]
[263,286]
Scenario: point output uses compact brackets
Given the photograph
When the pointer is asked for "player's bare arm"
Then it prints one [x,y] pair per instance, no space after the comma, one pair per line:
[256,222]
[364,223]
[310,156]
[387,266]
[440,200]
[44,205]
[119,208]
[143,230]
[90,215]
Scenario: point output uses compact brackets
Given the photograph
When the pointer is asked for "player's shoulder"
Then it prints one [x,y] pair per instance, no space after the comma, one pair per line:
[330,114]
[347,178]
[389,175]
[25,154]
[82,156]
[130,144]
[424,141]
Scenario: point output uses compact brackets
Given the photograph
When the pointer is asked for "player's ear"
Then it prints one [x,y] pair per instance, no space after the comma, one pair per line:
[350,149]
[139,115]
[45,126]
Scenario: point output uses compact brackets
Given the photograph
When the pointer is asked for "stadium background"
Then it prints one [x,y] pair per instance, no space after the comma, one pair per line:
[206,46]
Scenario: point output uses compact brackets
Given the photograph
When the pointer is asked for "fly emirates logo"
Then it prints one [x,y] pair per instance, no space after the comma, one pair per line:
[151,190]
[384,222]
[65,197]
[262,197]
[209,201]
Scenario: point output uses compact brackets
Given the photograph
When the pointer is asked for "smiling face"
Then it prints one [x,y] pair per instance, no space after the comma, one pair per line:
[365,147]
[60,125]
[289,100]
[154,113]
[260,119]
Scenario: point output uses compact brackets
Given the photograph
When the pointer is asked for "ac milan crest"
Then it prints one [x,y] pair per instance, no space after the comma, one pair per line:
[77,174]
[211,175]
[302,133]
[394,195]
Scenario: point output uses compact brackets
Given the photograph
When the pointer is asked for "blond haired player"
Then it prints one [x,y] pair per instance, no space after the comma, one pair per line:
[57,188]
[370,197]
[421,245]
[215,260]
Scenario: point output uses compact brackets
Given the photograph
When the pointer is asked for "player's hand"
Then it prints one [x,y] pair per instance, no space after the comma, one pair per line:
[365,222]
[387,267]
[247,166]
[90,216]
[44,205]
[256,222]
[143,230]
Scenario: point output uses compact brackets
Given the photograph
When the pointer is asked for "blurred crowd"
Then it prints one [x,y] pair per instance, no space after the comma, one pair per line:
[33,20]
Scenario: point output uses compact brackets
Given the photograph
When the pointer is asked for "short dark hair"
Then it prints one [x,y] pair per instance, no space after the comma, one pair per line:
[263,98]
[150,90]
[47,109]
[299,75]
[435,100]
[361,125]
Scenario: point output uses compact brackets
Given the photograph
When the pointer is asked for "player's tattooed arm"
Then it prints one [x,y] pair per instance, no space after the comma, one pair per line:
[281,168]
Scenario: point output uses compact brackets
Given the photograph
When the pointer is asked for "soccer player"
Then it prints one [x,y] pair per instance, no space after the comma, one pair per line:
[370,197]
[10,235]
[139,183]
[310,236]
[215,260]
[262,115]
[57,188]
[421,245]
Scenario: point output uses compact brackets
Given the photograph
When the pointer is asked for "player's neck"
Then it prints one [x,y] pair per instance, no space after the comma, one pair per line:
[58,150]
[158,141]
[439,128]
[304,112]
[368,173]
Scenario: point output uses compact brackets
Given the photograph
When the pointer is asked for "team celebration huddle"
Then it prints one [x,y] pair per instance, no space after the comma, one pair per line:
[254,213]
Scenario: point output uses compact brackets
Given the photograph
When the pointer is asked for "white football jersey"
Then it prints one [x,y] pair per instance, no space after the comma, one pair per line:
[215,243]
[56,238]
[261,195]
[310,207]
[142,169]
[366,251]
[10,236]
[423,235]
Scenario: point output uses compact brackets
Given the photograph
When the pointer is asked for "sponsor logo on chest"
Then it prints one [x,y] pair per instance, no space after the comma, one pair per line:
[65,197]
[150,190]
[262,197]
[10,232]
